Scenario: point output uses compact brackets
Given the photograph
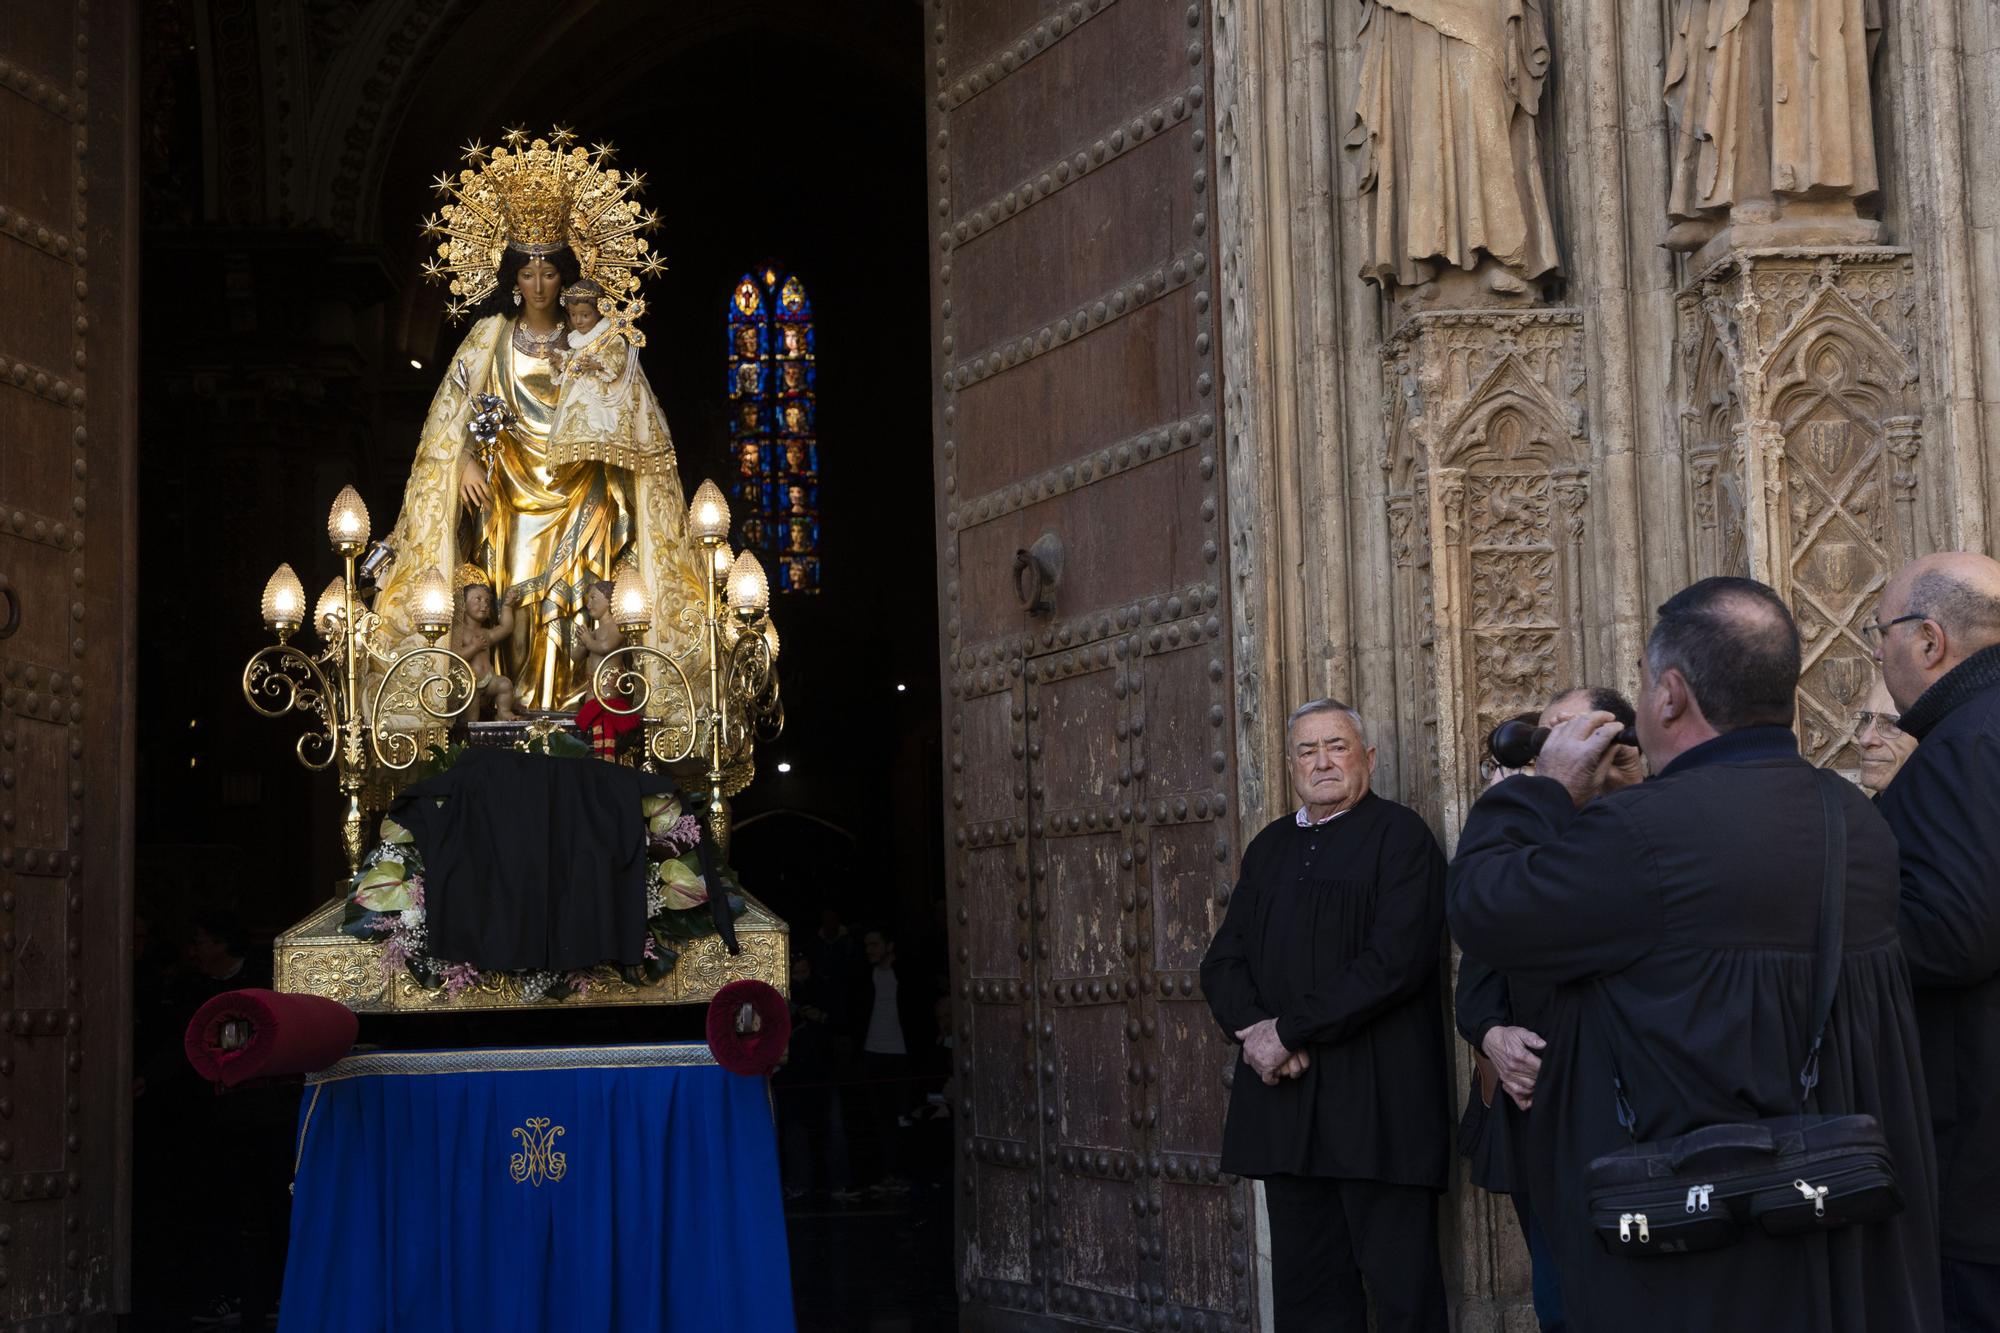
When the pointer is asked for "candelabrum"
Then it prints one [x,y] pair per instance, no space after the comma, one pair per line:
[737,699]
[369,706]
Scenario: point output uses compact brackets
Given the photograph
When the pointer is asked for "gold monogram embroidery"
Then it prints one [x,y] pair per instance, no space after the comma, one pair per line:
[537,1161]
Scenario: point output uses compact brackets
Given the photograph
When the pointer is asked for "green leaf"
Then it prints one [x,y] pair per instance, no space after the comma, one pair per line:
[384,887]
[682,883]
[359,922]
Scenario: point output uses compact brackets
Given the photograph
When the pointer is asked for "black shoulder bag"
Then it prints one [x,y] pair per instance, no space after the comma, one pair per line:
[1790,1175]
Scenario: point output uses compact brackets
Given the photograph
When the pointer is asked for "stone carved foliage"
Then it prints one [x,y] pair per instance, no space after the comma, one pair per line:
[1512,588]
[1818,348]
[1510,510]
[1517,673]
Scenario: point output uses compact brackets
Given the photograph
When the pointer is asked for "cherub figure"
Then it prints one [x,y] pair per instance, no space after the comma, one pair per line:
[474,631]
[597,636]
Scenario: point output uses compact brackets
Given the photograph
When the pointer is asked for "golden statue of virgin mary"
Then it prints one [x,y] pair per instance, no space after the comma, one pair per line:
[545,511]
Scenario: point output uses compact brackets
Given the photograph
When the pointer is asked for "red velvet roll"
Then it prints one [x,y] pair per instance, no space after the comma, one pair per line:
[752,1054]
[279,1035]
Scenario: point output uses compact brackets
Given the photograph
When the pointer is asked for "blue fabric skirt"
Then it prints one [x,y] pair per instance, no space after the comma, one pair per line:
[626,1187]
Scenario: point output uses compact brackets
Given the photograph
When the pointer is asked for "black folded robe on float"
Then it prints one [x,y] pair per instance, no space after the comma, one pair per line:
[532,862]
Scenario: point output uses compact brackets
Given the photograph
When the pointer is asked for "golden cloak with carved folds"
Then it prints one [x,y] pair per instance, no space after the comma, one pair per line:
[563,513]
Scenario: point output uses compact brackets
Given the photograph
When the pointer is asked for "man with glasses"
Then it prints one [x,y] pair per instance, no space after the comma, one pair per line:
[1880,738]
[1326,969]
[1937,635]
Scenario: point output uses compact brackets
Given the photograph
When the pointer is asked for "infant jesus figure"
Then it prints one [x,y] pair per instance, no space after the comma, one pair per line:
[596,397]
[474,631]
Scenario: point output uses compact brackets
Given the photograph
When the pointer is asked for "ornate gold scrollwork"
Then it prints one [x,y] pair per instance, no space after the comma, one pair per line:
[625,685]
[281,679]
[442,695]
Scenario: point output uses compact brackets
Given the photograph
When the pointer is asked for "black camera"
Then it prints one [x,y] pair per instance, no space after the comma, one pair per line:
[1514,743]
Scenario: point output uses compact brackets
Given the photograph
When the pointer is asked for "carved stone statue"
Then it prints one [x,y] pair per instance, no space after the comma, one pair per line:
[1770,112]
[1451,191]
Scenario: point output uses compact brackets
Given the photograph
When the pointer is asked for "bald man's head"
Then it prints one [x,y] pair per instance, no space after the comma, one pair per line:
[1961,591]
[1937,611]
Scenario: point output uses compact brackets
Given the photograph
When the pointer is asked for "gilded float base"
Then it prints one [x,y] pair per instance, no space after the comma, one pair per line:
[315,957]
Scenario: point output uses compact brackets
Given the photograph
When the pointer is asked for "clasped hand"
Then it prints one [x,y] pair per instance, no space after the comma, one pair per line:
[1514,1053]
[1267,1055]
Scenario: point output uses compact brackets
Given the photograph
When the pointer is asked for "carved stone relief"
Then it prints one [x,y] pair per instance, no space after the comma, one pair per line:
[1801,399]
[1488,516]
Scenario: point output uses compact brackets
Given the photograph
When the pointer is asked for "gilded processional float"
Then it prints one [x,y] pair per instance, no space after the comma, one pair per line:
[545,593]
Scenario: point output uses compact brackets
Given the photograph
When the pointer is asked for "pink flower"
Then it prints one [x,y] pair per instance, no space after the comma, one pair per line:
[580,982]
[395,955]
[652,946]
[459,978]
[688,831]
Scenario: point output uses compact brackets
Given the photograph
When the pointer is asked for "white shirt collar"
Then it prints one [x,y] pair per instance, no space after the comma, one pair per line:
[1307,821]
[580,340]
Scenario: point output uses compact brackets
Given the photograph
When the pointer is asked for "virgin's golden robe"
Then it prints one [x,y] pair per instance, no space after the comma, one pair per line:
[547,533]
[556,520]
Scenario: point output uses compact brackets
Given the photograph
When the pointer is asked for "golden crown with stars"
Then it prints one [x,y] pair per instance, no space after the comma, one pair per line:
[537,196]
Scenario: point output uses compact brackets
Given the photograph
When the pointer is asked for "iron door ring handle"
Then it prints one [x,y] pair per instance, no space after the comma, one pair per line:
[13,599]
[1037,570]
[1029,588]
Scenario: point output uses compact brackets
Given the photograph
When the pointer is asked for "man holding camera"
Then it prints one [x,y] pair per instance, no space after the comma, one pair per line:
[1937,636]
[1325,968]
[1677,924]
[1499,1018]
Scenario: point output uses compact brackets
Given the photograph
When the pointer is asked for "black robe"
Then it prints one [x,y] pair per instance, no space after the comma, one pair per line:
[1677,923]
[1944,808]
[1488,1135]
[1337,932]
[533,862]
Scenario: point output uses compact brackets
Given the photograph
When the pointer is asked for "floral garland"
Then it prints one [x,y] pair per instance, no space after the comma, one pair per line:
[385,904]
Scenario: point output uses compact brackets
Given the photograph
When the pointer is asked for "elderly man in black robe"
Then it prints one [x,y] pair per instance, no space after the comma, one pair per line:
[1937,636]
[1676,924]
[1326,969]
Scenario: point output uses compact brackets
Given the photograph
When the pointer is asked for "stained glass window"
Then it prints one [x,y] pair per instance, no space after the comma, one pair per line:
[773,437]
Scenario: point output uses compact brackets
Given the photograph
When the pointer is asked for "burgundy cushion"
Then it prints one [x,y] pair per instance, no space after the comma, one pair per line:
[288,1034]
[753,1054]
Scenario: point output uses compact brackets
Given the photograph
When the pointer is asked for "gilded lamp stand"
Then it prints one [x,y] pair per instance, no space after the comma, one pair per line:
[739,643]
[428,686]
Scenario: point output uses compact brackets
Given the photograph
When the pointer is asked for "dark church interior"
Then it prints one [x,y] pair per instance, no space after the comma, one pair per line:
[289,347]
